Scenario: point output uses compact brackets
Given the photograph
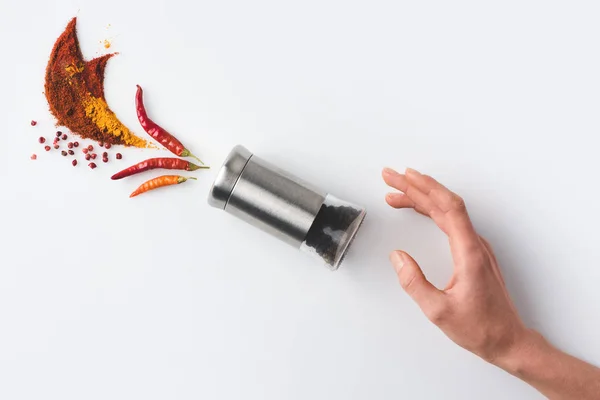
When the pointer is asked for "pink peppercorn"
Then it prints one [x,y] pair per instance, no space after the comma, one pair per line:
[47,148]
[88,157]
[94,156]
[64,137]
[92,165]
[74,162]
[58,134]
[105,155]
[119,156]
[42,139]
[108,145]
[75,144]
[70,145]
[33,123]
[33,157]
[90,147]
[56,146]
[71,152]
[84,150]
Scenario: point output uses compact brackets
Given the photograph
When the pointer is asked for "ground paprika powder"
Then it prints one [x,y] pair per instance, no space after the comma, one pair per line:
[75,92]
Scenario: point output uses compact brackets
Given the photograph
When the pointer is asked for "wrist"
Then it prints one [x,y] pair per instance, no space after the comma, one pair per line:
[525,354]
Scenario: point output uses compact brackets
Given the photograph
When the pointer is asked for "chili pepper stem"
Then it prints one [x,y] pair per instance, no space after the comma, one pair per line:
[185,178]
[194,167]
[187,153]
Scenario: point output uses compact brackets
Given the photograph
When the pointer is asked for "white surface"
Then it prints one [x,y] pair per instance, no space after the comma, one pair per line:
[103,297]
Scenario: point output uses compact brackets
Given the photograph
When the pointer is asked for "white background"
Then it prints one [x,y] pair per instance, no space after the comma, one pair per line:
[162,297]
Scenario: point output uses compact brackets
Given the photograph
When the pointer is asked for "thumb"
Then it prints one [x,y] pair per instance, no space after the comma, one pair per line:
[429,298]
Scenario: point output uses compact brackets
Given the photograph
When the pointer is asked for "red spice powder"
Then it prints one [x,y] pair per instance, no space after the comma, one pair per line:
[71,81]
[64,98]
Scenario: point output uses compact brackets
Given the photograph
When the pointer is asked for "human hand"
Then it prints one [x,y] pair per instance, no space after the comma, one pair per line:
[474,309]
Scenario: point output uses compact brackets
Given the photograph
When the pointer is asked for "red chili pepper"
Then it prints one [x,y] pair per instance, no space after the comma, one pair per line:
[165,180]
[158,133]
[153,163]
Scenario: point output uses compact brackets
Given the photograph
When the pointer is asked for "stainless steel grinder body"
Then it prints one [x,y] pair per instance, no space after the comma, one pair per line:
[281,204]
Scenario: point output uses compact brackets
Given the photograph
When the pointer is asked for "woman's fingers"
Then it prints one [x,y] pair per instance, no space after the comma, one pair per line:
[395,179]
[421,202]
[399,200]
[448,210]
[431,300]
[441,196]
[423,190]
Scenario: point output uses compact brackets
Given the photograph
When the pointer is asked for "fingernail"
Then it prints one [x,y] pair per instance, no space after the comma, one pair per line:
[389,171]
[410,171]
[397,259]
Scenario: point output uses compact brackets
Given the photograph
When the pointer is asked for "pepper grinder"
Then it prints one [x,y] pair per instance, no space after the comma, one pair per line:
[286,207]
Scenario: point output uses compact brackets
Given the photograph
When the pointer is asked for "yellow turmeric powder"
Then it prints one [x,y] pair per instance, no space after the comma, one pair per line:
[105,119]
[74,69]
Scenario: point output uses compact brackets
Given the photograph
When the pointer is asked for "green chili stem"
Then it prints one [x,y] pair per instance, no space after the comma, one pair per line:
[194,167]
[187,153]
